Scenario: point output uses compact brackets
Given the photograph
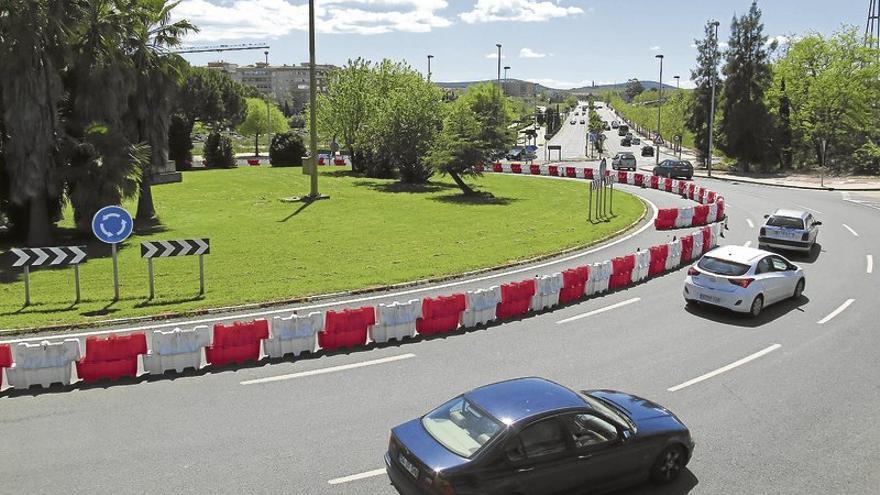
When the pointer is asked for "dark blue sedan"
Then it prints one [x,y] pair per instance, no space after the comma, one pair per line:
[531,436]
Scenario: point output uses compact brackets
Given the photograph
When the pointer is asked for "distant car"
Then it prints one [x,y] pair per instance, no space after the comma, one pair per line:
[614,124]
[515,153]
[647,150]
[626,141]
[598,106]
[624,160]
[622,130]
[636,140]
[572,122]
[533,436]
[675,169]
[583,121]
[789,229]
[607,127]
[743,279]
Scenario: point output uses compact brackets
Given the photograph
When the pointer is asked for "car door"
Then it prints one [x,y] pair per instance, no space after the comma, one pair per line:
[542,458]
[603,458]
[783,276]
[764,275]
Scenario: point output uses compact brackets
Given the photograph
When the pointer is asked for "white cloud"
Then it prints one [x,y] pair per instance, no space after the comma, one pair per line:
[517,10]
[529,53]
[266,19]
[558,84]
[779,39]
[654,48]
[495,55]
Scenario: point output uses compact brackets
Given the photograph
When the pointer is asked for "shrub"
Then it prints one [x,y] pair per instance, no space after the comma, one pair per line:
[219,152]
[286,150]
[180,144]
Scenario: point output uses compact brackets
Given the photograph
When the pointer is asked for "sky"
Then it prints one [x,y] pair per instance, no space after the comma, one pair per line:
[558,43]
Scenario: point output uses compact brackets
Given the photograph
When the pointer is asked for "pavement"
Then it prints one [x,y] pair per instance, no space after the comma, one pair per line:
[785,405]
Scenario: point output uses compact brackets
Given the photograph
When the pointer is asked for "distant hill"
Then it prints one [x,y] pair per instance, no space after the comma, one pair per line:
[544,89]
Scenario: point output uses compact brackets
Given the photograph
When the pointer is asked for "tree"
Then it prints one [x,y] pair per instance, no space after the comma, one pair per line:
[460,146]
[262,118]
[287,150]
[632,89]
[180,143]
[493,112]
[218,151]
[697,120]
[745,121]
[344,110]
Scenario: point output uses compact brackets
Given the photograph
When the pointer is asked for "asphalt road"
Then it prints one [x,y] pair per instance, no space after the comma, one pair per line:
[797,419]
[571,137]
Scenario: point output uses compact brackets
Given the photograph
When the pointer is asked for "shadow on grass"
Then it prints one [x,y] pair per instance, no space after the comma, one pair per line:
[400,187]
[341,173]
[477,199]
[302,207]
[169,302]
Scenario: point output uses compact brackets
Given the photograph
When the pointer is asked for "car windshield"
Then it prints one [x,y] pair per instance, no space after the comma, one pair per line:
[785,222]
[461,427]
[722,267]
[608,412]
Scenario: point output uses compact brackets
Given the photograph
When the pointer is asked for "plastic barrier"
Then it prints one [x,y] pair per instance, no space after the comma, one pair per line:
[621,177]
[622,268]
[41,363]
[690,190]
[481,306]
[253,163]
[294,334]
[496,167]
[516,168]
[666,218]
[673,258]
[176,349]
[687,249]
[396,321]
[685,217]
[701,214]
[5,360]
[113,358]
[479,167]
[346,328]
[643,264]
[535,169]
[667,184]
[681,187]
[515,298]
[588,173]
[237,343]
[707,239]
[720,204]
[713,213]
[700,195]
[636,179]
[574,284]
[339,161]
[716,229]
[571,172]
[600,277]
[322,160]
[659,256]
[655,182]
[441,314]
[553,170]
[710,196]
[547,289]
[697,249]
[505,167]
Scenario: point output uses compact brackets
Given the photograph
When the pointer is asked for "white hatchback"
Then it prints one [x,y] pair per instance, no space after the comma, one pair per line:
[789,229]
[743,279]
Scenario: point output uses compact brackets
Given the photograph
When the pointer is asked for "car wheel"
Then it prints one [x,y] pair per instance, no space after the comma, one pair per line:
[668,465]
[757,306]
[799,289]
[690,303]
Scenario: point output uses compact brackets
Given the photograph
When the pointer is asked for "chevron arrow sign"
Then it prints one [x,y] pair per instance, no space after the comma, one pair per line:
[167,249]
[48,256]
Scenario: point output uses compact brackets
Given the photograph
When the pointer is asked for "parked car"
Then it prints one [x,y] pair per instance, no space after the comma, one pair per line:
[515,153]
[636,140]
[647,150]
[624,160]
[626,141]
[675,169]
[583,121]
[607,127]
[743,279]
[614,124]
[789,229]
[572,122]
[533,436]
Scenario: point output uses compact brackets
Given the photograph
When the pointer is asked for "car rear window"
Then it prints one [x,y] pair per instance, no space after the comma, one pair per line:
[786,222]
[461,427]
[722,267]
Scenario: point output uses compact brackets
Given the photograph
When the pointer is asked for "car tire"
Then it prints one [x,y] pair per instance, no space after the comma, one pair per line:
[669,465]
[690,303]
[799,289]
[757,306]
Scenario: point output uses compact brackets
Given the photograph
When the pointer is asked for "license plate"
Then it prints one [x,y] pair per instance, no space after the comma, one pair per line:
[708,298]
[414,471]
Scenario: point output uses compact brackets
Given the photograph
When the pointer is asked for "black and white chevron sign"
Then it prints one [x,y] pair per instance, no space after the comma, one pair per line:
[48,256]
[167,249]
[596,183]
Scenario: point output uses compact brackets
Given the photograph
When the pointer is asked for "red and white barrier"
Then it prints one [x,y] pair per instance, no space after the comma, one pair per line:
[294,334]
[43,363]
[396,321]
[176,350]
[547,292]
[481,305]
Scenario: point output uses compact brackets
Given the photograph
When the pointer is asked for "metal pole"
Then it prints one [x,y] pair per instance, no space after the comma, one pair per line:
[712,104]
[313,101]
[499,64]
[76,282]
[590,209]
[27,285]
[115,273]
[611,201]
[659,107]
[150,273]
[429,67]
[201,274]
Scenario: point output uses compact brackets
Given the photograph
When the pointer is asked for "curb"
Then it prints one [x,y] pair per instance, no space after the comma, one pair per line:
[788,186]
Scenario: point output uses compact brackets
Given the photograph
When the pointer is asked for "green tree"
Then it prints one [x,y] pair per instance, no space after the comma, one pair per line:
[460,146]
[287,150]
[345,109]
[632,89]
[262,118]
[706,71]
[745,122]
[494,114]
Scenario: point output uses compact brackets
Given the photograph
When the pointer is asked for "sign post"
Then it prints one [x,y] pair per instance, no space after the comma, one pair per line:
[112,225]
[48,256]
[167,249]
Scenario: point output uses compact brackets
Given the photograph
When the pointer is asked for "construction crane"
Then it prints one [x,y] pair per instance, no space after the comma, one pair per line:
[222,48]
[872,28]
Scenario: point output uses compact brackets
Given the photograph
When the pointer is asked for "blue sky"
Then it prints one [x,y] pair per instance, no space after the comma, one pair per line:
[560,43]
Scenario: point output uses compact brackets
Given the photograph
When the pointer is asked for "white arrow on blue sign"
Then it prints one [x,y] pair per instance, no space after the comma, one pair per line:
[112,224]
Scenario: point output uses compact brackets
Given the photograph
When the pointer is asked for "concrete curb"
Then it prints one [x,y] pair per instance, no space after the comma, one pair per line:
[789,186]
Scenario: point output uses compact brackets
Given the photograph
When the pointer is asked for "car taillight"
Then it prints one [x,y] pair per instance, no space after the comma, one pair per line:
[742,282]
[693,271]
[763,231]
[441,487]
[806,236]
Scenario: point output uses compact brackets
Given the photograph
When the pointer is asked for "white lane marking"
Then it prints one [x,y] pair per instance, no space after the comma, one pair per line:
[331,369]
[869,204]
[600,310]
[729,367]
[349,302]
[808,208]
[853,232]
[836,312]
[751,224]
[355,477]
[870,267]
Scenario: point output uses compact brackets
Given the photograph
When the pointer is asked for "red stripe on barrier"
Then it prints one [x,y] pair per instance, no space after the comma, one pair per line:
[237,343]
[5,359]
[573,283]
[690,190]
[659,255]
[553,170]
[667,185]
[710,197]
[441,314]
[655,182]
[496,167]
[346,328]
[621,177]
[588,173]
[112,358]
[621,271]
[682,187]
[515,298]
[665,218]
[707,239]
[516,168]
[339,161]
[701,215]
[687,248]
[639,179]
[720,207]
[571,172]
[535,169]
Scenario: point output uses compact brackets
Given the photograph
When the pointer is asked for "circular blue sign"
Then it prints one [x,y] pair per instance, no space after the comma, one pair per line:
[112,224]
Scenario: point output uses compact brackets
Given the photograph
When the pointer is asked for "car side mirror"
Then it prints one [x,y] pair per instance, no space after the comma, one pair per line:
[625,435]
[766,216]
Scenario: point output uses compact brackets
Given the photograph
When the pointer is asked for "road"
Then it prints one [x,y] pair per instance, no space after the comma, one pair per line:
[571,137]
[796,416]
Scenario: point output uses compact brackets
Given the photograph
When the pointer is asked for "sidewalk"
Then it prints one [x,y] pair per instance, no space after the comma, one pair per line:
[798,181]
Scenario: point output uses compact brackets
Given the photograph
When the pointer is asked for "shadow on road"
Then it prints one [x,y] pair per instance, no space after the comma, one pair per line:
[801,257]
[685,483]
[770,313]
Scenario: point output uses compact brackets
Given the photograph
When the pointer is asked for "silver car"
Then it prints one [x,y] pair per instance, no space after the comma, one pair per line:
[789,229]
[743,279]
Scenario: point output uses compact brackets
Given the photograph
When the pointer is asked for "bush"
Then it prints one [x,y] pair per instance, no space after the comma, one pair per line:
[286,150]
[180,144]
[219,152]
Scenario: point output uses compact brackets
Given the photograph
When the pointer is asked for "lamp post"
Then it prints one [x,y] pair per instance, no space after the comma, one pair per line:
[659,107]
[677,81]
[506,68]
[429,67]
[712,104]
[499,63]
[313,103]
[268,100]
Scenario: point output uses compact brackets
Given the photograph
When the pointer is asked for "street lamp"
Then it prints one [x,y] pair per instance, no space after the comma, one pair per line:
[506,68]
[659,107]
[677,81]
[429,67]
[268,99]
[313,103]
[715,24]
[499,63]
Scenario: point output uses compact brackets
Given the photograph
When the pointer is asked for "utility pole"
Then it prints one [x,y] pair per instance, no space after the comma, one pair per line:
[659,107]
[872,28]
[268,100]
[499,64]
[715,24]
[429,67]
[506,68]
[313,102]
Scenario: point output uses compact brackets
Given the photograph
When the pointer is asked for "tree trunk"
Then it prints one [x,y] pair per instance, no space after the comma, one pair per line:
[38,221]
[466,189]
[146,212]
[256,145]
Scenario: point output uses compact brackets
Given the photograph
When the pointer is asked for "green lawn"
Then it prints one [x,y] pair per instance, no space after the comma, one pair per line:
[370,233]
